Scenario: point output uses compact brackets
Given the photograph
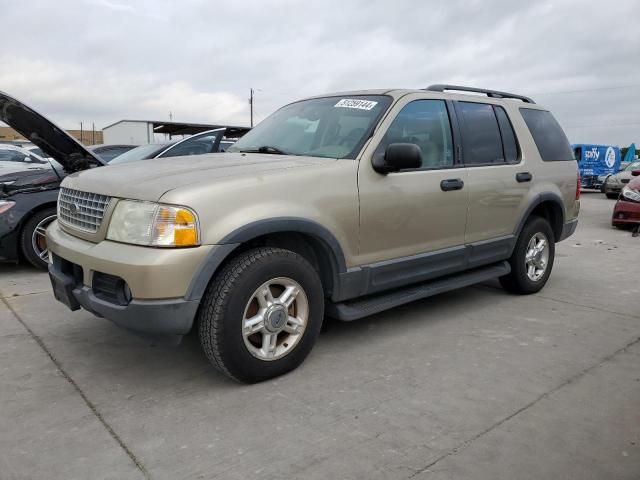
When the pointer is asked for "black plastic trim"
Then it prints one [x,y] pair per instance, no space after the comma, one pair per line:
[489,251]
[403,271]
[158,318]
[406,270]
[523,177]
[206,270]
[540,198]
[456,134]
[568,229]
[363,307]
[289,224]
[257,229]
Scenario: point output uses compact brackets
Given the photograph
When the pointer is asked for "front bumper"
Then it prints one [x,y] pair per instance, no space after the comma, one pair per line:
[169,317]
[613,188]
[625,213]
[158,281]
[151,273]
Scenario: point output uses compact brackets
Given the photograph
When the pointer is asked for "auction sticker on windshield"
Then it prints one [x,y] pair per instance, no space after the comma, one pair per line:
[355,103]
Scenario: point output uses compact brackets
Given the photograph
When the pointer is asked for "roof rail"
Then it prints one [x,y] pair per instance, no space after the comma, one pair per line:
[488,93]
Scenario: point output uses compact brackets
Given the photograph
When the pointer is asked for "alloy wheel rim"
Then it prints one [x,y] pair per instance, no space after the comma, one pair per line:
[39,238]
[275,318]
[537,257]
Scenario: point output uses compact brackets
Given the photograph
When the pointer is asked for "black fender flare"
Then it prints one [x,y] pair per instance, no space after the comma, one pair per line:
[233,240]
[537,200]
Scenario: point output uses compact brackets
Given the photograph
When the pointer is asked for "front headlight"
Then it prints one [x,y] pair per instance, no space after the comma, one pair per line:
[153,224]
[631,194]
[613,180]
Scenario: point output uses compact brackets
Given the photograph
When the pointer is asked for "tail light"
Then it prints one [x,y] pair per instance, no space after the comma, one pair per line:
[578,187]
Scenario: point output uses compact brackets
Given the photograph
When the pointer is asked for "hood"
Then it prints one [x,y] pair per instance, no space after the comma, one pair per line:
[51,139]
[29,180]
[136,180]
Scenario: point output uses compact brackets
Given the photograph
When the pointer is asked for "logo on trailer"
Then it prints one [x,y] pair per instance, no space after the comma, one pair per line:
[610,157]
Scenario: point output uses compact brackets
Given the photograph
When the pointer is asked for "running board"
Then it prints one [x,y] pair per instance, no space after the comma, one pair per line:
[369,305]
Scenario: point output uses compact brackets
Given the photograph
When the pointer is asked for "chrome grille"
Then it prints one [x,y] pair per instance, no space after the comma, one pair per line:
[81,210]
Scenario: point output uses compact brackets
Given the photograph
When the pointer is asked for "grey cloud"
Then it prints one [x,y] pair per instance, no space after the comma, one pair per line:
[102,60]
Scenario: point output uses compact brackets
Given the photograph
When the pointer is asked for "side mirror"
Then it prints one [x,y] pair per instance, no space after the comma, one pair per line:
[398,156]
[635,173]
[27,159]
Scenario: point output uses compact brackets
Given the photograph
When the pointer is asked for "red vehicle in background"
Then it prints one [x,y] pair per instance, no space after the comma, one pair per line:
[627,209]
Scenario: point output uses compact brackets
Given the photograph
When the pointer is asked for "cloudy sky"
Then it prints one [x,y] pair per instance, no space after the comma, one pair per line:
[104,60]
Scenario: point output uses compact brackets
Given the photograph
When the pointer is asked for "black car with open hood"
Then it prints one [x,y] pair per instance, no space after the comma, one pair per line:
[28,200]
[51,139]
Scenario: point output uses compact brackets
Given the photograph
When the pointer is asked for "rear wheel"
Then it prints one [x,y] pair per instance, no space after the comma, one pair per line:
[532,258]
[33,240]
[261,315]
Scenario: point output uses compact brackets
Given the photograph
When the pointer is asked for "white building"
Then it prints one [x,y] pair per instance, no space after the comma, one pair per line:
[129,132]
[142,132]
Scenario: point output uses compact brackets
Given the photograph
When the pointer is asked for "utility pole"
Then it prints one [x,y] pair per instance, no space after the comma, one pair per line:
[93,133]
[170,115]
[251,105]
[80,132]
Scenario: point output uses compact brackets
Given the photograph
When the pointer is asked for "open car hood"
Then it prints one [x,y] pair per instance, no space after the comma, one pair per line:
[53,140]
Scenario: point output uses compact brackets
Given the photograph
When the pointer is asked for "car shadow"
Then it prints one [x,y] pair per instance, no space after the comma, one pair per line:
[105,351]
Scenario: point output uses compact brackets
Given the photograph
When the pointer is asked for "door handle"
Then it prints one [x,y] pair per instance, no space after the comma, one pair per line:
[524,177]
[451,184]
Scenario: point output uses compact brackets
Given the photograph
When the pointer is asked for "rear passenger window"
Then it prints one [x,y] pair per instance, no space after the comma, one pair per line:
[509,142]
[480,133]
[424,123]
[551,141]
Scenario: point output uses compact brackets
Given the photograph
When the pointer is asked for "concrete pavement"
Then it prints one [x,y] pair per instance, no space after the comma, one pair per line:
[471,384]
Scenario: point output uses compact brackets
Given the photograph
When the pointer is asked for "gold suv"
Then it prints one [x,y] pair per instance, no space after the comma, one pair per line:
[342,205]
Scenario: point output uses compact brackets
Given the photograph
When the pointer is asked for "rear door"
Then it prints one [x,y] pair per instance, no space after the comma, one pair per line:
[498,178]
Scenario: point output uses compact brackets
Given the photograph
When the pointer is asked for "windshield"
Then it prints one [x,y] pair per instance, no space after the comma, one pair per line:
[633,166]
[139,153]
[331,127]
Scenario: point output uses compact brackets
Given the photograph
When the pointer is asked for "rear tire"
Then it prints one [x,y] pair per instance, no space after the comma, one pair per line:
[33,243]
[531,264]
[241,316]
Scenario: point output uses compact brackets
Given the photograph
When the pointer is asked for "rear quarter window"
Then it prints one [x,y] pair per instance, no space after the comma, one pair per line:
[551,141]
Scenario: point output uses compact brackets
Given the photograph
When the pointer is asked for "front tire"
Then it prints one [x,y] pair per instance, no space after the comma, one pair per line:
[261,315]
[612,196]
[33,241]
[532,258]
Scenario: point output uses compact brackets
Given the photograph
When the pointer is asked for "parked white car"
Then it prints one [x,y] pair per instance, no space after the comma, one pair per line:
[17,159]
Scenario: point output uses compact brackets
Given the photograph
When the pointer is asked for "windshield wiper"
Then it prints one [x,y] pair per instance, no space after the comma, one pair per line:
[266,149]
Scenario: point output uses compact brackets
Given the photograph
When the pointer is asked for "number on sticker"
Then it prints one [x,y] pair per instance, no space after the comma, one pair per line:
[355,103]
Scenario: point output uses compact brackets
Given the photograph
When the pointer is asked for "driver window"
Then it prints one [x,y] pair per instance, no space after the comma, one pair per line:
[424,123]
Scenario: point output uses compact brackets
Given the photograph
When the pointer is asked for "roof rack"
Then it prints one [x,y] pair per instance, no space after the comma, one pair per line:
[488,93]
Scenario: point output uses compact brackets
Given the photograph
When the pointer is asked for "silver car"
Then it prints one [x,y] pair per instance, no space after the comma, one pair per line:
[614,184]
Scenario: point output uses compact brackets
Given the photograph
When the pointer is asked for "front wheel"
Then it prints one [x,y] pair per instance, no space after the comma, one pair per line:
[33,240]
[261,315]
[612,196]
[532,258]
